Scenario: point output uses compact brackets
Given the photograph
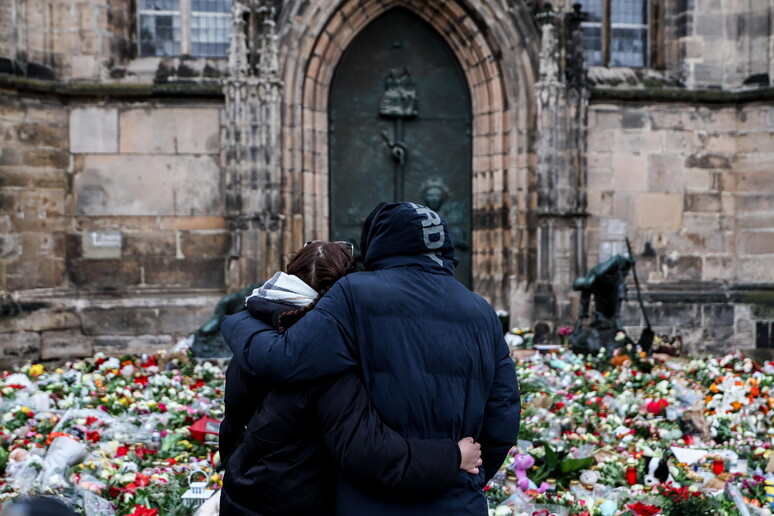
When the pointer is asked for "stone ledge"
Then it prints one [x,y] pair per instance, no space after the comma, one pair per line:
[206,91]
[702,96]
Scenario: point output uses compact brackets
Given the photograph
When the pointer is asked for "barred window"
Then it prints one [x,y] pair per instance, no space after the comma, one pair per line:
[196,28]
[616,32]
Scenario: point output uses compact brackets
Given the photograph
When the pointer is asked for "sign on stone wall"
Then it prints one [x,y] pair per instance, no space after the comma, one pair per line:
[102,244]
[612,238]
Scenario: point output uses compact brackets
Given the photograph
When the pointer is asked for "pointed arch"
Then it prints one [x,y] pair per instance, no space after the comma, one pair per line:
[497,49]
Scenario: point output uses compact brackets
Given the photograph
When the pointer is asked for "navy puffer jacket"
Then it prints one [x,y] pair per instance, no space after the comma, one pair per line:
[432,353]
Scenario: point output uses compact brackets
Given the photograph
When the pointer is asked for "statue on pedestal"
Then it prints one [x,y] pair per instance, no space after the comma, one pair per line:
[606,282]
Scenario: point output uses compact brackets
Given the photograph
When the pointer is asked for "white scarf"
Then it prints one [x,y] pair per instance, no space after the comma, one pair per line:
[285,288]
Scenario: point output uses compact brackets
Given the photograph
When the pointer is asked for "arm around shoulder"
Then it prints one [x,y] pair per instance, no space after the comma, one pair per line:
[315,347]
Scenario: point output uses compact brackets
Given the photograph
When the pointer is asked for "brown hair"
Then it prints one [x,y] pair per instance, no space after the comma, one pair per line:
[319,265]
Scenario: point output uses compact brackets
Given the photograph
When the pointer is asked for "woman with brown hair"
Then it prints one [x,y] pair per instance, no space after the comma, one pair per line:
[283,448]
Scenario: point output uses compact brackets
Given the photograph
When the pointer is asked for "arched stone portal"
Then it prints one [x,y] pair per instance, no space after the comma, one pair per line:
[399,129]
[497,48]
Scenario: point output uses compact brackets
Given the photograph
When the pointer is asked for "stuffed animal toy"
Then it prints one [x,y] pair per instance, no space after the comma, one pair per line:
[656,472]
[588,478]
[521,463]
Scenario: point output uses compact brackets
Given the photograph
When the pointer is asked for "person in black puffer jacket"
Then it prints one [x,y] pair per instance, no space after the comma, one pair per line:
[283,447]
[431,352]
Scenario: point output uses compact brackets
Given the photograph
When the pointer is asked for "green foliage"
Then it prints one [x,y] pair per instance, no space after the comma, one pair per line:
[556,465]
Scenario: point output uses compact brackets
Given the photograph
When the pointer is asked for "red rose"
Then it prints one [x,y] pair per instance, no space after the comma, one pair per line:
[121,451]
[142,380]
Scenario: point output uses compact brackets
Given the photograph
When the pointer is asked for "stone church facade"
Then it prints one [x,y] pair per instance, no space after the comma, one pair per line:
[156,154]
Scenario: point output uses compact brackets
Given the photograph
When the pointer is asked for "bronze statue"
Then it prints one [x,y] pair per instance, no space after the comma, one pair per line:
[435,195]
[606,282]
[208,341]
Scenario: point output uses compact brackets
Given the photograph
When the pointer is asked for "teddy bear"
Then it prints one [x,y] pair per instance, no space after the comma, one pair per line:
[588,478]
[521,463]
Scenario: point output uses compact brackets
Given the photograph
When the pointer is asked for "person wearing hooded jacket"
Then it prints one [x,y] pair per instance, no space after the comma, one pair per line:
[281,446]
[432,353]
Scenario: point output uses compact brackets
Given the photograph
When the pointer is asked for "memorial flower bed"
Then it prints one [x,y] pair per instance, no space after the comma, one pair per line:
[113,435]
[109,435]
[598,425]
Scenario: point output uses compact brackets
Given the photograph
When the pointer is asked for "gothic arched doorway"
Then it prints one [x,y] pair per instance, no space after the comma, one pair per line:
[400,129]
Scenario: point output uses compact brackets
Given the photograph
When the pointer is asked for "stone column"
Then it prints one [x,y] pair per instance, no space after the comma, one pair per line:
[252,90]
[562,99]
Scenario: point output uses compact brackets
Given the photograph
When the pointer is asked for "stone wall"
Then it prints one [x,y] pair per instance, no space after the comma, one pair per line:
[691,186]
[724,43]
[112,235]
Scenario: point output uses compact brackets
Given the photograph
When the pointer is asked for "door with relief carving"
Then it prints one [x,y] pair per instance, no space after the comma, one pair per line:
[400,129]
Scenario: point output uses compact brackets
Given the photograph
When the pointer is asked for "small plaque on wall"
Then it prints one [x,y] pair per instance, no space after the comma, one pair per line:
[102,244]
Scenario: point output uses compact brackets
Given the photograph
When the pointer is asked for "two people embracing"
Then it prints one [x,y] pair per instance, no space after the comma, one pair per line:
[384,392]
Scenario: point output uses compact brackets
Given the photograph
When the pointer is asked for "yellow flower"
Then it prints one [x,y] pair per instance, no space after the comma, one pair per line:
[25,410]
[36,370]
[214,478]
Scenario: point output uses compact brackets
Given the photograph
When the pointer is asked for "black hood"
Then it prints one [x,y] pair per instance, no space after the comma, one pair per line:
[404,233]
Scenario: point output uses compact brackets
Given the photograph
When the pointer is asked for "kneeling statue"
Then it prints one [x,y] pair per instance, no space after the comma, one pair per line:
[606,282]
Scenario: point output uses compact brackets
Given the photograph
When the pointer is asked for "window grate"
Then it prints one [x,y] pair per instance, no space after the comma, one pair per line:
[200,28]
[620,39]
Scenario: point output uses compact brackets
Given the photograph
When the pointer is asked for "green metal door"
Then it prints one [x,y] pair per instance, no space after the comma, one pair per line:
[399,129]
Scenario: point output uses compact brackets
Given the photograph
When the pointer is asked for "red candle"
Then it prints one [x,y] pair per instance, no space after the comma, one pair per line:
[631,475]
[718,466]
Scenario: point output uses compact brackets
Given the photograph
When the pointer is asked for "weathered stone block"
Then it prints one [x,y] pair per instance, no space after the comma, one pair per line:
[702,202]
[25,274]
[192,223]
[189,272]
[755,220]
[10,246]
[93,130]
[754,268]
[682,268]
[150,243]
[170,130]
[104,274]
[756,242]
[754,181]
[674,314]
[83,67]
[25,177]
[134,185]
[117,345]
[183,320]
[629,172]
[703,160]
[65,344]
[718,315]
[665,173]
[10,157]
[659,211]
[42,135]
[45,320]
[205,244]
[120,321]
[633,118]
[18,348]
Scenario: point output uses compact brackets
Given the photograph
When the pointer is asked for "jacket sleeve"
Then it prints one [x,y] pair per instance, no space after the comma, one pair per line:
[374,457]
[318,345]
[503,412]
